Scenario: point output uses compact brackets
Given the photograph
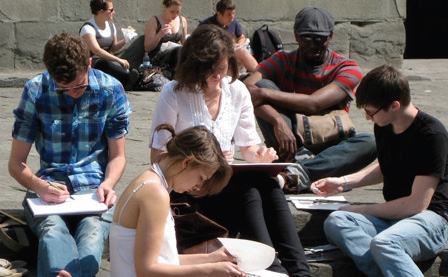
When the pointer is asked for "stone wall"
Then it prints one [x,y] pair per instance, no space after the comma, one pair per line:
[371,32]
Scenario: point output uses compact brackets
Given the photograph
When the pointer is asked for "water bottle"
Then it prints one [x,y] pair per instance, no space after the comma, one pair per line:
[250,49]
[146,61]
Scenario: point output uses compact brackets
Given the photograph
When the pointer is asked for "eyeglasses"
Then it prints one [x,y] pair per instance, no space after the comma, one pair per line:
[62,90]
[370,114]
[317,39]
[109,10]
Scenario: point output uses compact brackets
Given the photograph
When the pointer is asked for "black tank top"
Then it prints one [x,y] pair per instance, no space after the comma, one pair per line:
[176,37]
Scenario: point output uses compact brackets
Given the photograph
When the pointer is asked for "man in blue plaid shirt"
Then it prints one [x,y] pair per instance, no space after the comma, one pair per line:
[78,118]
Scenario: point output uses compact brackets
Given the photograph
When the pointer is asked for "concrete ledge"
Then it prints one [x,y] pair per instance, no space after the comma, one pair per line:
[15,80]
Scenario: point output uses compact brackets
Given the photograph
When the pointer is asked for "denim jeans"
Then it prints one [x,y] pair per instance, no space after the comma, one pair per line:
[346,157]
[387,247]
[74,243]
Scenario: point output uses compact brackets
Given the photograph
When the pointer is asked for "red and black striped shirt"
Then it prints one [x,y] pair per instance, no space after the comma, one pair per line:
[290,73]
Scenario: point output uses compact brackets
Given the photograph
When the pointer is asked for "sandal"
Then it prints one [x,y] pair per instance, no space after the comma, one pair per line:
[14,264]
[18,264]
[14,272]
[5,264]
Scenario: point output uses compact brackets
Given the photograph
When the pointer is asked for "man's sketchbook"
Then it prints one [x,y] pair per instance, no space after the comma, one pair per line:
[83,204]
[272,169]
[252,257]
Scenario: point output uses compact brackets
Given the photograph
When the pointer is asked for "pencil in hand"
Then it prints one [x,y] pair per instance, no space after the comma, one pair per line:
[58,188]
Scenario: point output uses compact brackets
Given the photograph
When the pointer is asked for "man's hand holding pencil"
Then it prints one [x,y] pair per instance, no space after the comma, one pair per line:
[55,193]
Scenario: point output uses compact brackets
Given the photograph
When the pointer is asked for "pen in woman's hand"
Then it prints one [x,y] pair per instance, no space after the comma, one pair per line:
[58,188]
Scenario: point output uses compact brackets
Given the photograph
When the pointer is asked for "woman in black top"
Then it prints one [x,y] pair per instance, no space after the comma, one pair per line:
[165,27]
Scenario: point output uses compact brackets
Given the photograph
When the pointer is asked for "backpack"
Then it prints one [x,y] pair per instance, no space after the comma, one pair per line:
[265,42]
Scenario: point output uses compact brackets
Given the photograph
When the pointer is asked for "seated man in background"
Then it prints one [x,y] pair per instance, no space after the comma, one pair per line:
[225,17]
[385,239]
[78,118]
[308,80]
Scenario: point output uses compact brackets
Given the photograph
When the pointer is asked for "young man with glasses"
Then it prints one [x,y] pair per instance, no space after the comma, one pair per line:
[385,239]
[308,80]
[78,118]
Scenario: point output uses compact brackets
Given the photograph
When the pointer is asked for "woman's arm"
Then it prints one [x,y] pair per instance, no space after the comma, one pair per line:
[166,112]
[185,31]
[152,38]
[117,45]
[258,154]
[153,209]
[95,48]
[220,255]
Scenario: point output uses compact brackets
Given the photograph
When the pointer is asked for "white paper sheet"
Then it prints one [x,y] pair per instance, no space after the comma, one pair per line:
[253,257]
[312,203]
[83,204]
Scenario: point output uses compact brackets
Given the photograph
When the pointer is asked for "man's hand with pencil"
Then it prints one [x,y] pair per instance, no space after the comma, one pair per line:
[54,193]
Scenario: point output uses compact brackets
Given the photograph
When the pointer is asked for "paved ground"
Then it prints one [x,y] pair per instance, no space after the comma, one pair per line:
[428,80]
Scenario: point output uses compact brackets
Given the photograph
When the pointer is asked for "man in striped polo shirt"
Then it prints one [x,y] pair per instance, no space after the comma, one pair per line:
[308,80]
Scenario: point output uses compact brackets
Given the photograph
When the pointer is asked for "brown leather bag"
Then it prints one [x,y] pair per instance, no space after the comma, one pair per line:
[196,233]
[321,131]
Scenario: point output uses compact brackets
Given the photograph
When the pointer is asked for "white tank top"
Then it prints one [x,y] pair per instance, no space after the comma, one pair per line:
[122,240]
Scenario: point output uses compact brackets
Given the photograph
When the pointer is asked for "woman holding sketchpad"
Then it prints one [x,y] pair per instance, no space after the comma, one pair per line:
[202,94]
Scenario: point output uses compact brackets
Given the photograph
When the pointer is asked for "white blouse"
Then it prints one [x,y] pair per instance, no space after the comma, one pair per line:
[234,125]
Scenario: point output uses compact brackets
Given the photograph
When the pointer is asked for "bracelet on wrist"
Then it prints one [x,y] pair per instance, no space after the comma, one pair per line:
[345,185]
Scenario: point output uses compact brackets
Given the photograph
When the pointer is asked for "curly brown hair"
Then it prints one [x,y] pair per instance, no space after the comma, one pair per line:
[66,56]
[206,46]
[200,146]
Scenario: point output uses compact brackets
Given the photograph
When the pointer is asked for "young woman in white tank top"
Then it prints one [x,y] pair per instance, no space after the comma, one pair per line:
[142,236]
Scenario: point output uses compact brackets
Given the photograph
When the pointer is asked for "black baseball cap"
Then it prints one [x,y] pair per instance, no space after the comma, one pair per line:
[314,21]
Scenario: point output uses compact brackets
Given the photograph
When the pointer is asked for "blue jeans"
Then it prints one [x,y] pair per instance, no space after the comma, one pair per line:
[346,157]
[73,243]
[387,247]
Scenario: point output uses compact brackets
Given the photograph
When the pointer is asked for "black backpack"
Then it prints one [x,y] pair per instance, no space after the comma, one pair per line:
[265,42]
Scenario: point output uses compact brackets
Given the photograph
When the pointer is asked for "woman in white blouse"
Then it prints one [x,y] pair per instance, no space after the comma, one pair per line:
[202,94]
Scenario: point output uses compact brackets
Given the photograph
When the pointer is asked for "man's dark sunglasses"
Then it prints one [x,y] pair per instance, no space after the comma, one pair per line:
[62,90]
[317,39]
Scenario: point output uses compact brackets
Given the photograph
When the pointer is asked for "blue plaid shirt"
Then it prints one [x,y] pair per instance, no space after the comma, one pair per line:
[71,137]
